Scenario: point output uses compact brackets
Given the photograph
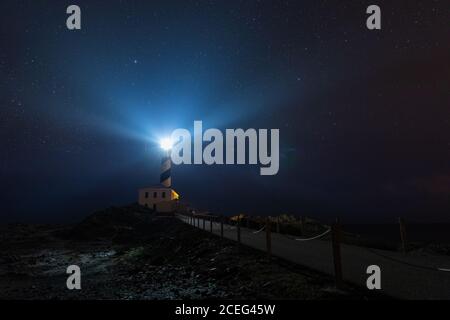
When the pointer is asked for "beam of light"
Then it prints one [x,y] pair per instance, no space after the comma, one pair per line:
[166,143]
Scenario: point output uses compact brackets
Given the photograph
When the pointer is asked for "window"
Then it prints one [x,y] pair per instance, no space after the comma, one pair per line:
[164,194]
[155,194]
[146,194]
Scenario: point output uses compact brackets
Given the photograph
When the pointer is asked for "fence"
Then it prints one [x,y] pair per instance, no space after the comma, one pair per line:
[212,223]
[329,249]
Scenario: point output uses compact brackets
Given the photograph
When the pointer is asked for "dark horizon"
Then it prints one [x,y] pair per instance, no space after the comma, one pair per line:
[364,116]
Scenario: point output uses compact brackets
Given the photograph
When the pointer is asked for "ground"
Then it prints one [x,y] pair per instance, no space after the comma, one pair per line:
[133,253]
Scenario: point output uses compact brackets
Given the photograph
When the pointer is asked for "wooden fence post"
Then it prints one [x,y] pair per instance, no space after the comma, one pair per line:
[198,222]
[268,238]
[204,223]
[210,224]
[278,224]
[238,227]
[221,227]
[336,244]
[302,225]
[403,234]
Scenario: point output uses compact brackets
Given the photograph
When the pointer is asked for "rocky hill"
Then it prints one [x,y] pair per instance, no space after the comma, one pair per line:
[134,253]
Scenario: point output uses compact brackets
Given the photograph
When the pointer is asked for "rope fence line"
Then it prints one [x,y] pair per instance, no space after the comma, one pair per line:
[233,227]
[260,230]
[313,238]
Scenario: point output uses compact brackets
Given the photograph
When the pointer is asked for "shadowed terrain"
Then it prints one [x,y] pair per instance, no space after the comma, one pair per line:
[133,253]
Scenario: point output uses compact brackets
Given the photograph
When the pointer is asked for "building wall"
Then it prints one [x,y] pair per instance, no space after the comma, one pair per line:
[153,198]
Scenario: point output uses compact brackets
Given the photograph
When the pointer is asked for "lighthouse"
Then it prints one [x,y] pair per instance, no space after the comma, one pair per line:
[161,197]
[166,164]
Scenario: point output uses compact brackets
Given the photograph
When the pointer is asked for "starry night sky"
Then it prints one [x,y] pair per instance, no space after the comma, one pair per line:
[364,116]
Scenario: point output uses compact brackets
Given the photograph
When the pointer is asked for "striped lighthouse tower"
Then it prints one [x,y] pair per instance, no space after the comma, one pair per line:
[166,164]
